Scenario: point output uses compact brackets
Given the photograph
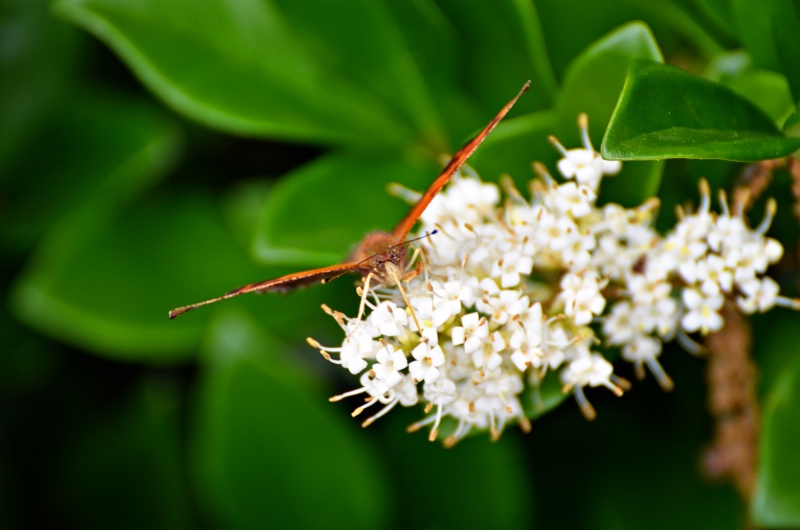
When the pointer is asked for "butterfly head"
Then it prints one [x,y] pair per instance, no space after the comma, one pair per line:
[376,251]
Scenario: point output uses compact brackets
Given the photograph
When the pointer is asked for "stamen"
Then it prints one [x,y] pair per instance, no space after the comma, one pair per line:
[583,125]
[769,215]
[586,408]
[561,149]
[369,421]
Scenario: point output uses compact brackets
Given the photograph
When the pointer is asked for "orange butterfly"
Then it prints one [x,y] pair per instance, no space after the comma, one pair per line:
[379,254]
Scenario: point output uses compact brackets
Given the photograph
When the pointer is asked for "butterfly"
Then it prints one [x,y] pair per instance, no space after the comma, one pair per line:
[380,254]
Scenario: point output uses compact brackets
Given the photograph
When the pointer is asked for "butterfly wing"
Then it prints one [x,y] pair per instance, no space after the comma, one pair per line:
[285,283]
[404,226]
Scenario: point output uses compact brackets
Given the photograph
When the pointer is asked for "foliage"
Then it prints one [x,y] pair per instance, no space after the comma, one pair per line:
[122,196]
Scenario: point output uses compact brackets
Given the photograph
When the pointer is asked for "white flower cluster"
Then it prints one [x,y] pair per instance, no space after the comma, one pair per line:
[505,293]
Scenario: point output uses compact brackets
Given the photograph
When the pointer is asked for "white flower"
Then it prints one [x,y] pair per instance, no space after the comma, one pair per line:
[510,267]
[390,362]
[388,319]
[702,312]
[759,295]
[428,360]
[508,291]
[471,333]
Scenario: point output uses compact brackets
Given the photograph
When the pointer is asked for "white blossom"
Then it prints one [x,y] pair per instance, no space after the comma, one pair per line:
[506,293]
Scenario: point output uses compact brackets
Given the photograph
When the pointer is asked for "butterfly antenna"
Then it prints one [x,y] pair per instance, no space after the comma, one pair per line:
[178,311]
[407,241]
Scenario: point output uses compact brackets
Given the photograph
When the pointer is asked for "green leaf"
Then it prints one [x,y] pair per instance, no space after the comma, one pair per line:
[791,127]
[108,288]
[514,145]
[124,469]
[316,214]
[502,46]
[786,28]
[539,400]
[266,443]
[39,57]
[767,90]
[754,27]
[386,66]
[777,499]
[103,150]
[721,12]
[246,67]
[592,84]
[666,113]
[594,79]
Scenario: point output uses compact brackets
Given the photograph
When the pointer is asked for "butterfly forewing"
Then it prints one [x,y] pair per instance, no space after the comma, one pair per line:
[284,283]
[407,223]
[378,248]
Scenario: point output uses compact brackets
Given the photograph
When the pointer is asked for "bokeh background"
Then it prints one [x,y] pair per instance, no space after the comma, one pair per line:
[156,153]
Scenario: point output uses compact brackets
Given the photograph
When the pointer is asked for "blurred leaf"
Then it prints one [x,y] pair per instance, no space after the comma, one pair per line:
[767,90]
[241,208]
[316,214]
[754,29]
[37,56]
[666,113]
[502,46]
[514,145]
[124,470]
[476,484]
[108,288]
[592,84]
[541,399]
[786,28]
[267,443]
[245,67]
[721,12]
[103,150]
[791,127]
[729,64]
[776,503]
[336,33]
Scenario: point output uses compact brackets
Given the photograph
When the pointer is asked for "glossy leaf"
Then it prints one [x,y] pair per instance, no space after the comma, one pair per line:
[267,442]
[786,28]
[776,503]
[249,68]
[592,85]
[667,113]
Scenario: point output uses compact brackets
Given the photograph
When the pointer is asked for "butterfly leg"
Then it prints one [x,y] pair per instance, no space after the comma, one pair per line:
[364,295]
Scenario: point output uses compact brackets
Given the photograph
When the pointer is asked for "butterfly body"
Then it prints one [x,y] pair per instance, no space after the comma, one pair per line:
[376,250]
[380,254]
